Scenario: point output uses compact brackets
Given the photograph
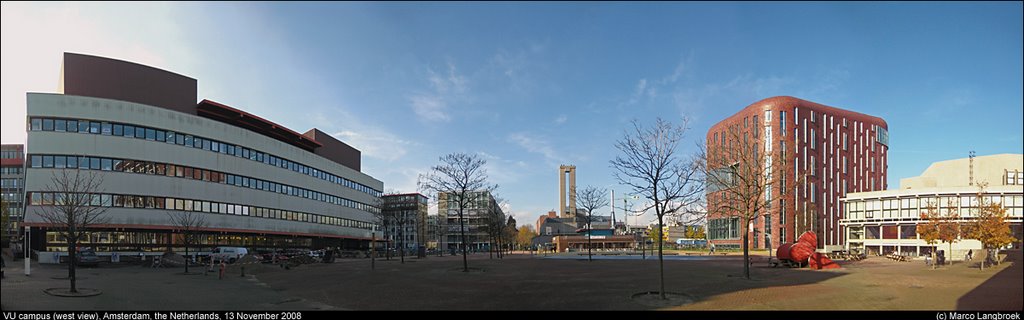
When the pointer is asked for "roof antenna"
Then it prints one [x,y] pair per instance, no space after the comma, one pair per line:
[971,181]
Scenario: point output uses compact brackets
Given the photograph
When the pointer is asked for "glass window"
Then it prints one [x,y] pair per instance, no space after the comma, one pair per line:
[60,125]
[197,142]
[179,139]
[59,162]
[188,140]
[94,163]
[47,124]
[150,134]
[83,163]
[118,129]
[94,127]
[140,133]
[106,164]
[37,161]
[106,129]
[206,144]
[129,131]
[83,126]
[37,124]
[170,137]
[47,161]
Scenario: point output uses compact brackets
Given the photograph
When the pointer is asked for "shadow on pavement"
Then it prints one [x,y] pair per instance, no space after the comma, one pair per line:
[993,294]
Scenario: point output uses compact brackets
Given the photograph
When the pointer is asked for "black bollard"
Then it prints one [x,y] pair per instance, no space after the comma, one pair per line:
[243,271]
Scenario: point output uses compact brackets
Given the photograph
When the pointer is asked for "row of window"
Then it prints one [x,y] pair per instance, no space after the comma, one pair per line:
[178,204]
[10,170]
[726,228]
[10,154]
[170,170]
[10,183]
[171,137]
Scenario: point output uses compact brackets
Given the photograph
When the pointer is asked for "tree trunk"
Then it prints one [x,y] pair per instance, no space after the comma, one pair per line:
[186,251]
[71,264]
[950,254]
[934,262]
[746,251]
[661,260]
[983,260]
[462,230]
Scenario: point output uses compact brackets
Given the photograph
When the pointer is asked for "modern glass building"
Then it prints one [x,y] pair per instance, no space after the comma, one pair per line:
[883,222]
[256,183]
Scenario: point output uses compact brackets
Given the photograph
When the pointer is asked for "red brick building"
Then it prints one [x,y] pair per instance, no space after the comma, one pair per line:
[834,152]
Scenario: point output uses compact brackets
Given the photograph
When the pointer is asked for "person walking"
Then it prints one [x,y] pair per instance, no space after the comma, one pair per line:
[711,247]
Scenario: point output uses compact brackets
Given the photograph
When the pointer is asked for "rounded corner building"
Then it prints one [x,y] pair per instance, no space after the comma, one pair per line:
[157,151]
[827,153]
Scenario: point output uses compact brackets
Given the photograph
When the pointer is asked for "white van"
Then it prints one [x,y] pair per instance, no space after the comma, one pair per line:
[228,254]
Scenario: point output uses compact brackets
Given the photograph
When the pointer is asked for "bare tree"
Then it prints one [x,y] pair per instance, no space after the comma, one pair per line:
[591,199]
[71,205]
[495,228]
[188,223]
[740,176]
[460,178]
[509,237]
[385,219]
[650,166]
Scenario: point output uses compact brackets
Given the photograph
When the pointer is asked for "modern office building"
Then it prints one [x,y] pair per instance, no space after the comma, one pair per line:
[831,152]
[411,209]
[476,215]
[883,222]
[12,187]
[140,129]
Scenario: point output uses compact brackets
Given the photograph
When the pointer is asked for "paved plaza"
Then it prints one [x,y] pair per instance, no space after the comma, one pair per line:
[529,282]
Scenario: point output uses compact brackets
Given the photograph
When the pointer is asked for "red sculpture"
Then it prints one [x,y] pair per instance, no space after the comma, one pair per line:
[802,252]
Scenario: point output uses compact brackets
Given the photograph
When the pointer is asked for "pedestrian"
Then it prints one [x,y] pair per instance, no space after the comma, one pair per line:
[970,254]
[711,248]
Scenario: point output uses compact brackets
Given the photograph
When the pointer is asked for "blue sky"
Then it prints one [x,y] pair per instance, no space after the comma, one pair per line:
[529,86]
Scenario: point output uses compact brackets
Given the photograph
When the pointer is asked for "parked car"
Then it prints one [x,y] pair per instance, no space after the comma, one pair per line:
[228,254]
[269,256]
[87,257]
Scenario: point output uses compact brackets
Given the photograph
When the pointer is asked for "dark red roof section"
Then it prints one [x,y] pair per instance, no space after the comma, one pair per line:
[92,76]
[334,149]
[12,162]
[239,118]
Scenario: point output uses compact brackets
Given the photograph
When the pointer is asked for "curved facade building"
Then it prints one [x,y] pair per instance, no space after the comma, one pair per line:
[256,183]
[831,152]
[883,222]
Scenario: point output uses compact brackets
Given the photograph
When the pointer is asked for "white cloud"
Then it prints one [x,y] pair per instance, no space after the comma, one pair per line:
[430,107]
[445,88]
[536,145]
[375,144]
[561,119]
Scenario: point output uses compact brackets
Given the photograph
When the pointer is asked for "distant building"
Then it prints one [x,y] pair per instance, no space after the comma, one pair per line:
[12,186]
[881,222]
[475,216]
[550,226]
[567,191]
[412,209]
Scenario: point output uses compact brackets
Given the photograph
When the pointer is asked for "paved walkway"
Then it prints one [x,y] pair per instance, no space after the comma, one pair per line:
[131,287]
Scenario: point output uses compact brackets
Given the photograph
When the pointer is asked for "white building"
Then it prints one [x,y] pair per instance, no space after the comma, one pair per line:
[880,222]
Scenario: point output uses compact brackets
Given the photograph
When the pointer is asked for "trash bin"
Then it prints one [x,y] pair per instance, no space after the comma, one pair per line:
[421,252]
[940,257]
